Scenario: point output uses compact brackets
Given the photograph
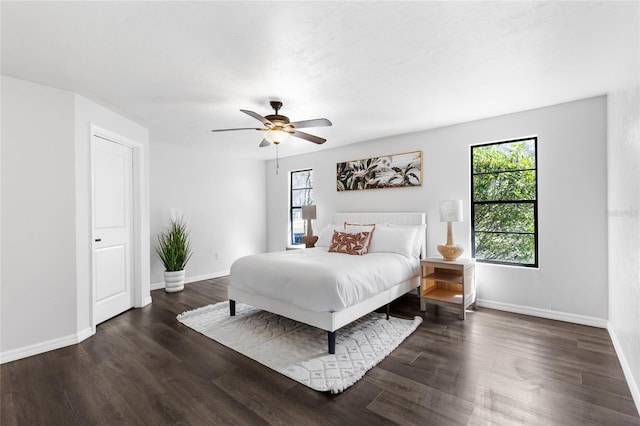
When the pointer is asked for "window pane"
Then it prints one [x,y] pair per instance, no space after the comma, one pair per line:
[504,156]
[298,225]
[504,217]
[301,197]
[303,179]
[509,248]
[505,186]
[504,197]
[301,183]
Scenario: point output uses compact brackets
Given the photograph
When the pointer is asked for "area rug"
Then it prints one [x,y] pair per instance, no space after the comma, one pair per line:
[299,351]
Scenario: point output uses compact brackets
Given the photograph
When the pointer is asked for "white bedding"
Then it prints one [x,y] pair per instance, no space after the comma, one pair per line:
[319,281]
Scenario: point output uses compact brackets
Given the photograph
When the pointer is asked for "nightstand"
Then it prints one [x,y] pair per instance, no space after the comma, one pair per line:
[448,283]
[295,247]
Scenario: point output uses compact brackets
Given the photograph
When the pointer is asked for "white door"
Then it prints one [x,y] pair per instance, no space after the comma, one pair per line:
[112,223]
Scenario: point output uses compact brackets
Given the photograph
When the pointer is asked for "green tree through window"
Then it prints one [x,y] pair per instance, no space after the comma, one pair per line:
[504,206]
[301,195]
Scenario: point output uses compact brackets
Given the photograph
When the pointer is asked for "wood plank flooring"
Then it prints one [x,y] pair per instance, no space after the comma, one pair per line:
[144,367]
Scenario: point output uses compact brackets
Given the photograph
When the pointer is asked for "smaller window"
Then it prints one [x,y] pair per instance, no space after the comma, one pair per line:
[301,184]
[504,204]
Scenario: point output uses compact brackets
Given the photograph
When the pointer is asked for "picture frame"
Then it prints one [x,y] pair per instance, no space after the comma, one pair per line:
[386,171]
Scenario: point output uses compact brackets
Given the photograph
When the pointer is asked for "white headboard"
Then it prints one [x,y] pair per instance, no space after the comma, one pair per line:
[398,218]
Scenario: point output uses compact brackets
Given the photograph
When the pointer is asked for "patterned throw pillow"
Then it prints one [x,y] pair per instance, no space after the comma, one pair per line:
[350,243]
[359,227]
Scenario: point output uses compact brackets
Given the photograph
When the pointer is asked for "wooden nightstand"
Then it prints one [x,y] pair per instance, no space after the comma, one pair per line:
[448,283]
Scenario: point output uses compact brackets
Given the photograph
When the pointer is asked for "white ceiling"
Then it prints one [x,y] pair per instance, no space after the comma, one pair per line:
[374,68]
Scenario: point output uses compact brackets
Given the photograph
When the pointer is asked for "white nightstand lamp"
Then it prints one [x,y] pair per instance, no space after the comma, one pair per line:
[450,211]
[308,214]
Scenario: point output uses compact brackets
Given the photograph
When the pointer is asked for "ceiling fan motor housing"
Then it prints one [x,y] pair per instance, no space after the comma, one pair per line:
[277,119]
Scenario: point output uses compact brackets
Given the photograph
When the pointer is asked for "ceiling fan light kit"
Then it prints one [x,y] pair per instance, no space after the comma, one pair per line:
[276,135]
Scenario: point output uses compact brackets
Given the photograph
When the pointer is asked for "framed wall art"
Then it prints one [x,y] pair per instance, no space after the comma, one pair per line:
[389,171]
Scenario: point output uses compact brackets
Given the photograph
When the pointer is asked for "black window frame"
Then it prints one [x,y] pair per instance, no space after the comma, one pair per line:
[292,208]
[534,202]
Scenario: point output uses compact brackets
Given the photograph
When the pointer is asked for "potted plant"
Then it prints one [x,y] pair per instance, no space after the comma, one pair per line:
[174,249]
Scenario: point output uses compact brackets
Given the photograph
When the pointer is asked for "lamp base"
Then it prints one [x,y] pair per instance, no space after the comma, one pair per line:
[450,252]
[309,241]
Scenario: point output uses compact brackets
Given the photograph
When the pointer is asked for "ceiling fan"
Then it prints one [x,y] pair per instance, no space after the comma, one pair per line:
[278,128]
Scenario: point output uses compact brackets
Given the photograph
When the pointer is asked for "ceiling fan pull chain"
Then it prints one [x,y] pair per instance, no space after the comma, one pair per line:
[277,160]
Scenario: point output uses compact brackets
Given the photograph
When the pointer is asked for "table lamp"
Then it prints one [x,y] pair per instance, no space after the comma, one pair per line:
[308,214]
[450,211]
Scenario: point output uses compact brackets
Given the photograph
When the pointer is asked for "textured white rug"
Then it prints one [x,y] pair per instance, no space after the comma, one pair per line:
[299,351]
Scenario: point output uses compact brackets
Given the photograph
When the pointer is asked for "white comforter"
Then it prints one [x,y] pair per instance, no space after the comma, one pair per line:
[319,281]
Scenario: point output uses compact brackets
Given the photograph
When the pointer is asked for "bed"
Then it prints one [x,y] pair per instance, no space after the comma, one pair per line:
[330,290]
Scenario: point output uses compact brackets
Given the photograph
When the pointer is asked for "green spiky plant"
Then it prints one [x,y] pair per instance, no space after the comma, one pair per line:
[174,247]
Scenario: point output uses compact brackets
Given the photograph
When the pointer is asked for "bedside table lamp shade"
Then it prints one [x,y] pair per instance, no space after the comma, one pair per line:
[308,214]
[450,211]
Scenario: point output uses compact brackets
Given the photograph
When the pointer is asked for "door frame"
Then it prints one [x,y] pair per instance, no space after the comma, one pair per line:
[139,197]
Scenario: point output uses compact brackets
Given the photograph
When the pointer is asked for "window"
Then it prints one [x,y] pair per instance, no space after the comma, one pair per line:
[301,195]
[504,205]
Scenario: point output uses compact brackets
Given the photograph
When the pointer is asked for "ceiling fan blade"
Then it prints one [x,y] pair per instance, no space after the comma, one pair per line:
[239,128]
[308,137]
[256,116]
[318,122]
[264,143]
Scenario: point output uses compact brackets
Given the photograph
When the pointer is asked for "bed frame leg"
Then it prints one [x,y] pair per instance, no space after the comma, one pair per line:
[232,308]
[332,341]
[388,309]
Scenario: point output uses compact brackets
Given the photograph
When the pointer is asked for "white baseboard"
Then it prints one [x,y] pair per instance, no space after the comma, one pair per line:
[50,345]
[156,286]
[544,313]
[85,334]
[146,301]
[188,280]
[626,369]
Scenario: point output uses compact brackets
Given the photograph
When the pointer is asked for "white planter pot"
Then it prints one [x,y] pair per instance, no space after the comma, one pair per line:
[173,281]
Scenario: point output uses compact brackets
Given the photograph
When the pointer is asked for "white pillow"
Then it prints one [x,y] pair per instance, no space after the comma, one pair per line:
[418,237]
[325,236]
[387,239]
[358,227]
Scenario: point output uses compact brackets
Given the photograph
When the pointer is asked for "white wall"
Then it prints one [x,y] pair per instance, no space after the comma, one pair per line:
[38,215]
[624,231]
[571,282]
[46,229]
[623,156]
[222,199]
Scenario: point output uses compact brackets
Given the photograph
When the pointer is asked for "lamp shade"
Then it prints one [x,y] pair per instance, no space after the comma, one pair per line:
[309,212]
[450,211]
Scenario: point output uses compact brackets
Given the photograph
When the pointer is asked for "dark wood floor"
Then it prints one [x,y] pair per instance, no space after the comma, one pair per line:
[143,367]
